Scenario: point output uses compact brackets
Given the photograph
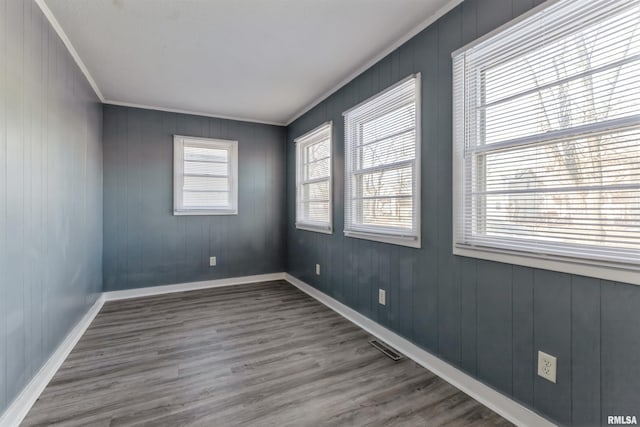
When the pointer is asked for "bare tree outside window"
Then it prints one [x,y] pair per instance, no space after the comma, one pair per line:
[564,121]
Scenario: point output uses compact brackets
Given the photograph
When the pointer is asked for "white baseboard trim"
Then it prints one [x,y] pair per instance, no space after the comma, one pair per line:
[498,402]
[15,413]
[484,394]
[181,287]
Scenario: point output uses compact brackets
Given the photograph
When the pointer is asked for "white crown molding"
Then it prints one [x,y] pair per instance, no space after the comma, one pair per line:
[368,64]
[63,36]
[15,413]
[193,113]
[67,42]
[498,402]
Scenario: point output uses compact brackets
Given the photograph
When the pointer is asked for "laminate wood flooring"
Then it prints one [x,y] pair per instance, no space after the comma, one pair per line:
[252,355]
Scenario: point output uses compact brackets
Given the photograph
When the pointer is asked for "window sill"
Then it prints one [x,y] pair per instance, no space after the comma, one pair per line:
[583,267]
[411,242]
[325,229]
[206,212]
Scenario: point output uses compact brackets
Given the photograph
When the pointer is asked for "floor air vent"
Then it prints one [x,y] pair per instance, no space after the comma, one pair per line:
[390,352]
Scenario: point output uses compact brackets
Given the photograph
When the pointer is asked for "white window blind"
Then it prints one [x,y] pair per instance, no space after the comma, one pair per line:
[382,168]
[205,176]
[547,135]
[313,180]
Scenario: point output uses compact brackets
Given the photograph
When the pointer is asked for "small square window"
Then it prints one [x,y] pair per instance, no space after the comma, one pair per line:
[205,176]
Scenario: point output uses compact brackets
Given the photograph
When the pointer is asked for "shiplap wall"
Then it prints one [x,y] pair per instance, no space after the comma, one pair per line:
[145,244]
[487,318]
[50,194]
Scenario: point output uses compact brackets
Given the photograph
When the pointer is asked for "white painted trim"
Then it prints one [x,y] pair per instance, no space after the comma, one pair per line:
[371,62]
[408,241]
[498,402]
[302,142]
[192,113]
[231,147]
[15,413]
[67,42]
[18,410]
[352,117]
[581,267]
[181,287]
[76,57]
[503,27]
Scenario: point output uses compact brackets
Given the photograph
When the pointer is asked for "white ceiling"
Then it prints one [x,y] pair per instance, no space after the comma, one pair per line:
[257,60]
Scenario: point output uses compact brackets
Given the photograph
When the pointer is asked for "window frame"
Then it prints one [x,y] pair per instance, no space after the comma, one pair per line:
[231,146]
[602,269]
[302,142]
[391,235]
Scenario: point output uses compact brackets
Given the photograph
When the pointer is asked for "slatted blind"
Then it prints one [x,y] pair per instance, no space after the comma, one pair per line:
[547,124]
[205,175]
[313,179]
[382,171]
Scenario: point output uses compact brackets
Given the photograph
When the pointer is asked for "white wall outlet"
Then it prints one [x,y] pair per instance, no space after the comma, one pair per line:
[212,261]
[382,297]
[547,365]
[317,269]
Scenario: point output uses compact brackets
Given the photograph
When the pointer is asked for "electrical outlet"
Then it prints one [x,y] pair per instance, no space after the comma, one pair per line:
[317,269]
[547,365]
[212,261]
[382,297]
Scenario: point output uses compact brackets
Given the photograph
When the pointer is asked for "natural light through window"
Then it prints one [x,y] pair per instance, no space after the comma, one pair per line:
[205,176]
[382,168]
[547,135]
[313,180]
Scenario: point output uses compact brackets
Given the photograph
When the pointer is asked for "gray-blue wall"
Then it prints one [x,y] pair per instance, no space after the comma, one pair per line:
[487,318]
[50,194]
[145,244]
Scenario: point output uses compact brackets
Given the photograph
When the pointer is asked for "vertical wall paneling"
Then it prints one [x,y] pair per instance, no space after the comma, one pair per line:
[552,334]
[488,318]
[449,37]
[425,293]
[524,362]
[145,244]
[50,194]
[585,350]
[620,350]
[468,315]
[494,340]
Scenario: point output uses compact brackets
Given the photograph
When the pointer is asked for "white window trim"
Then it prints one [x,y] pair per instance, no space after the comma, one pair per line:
[301,142]
[178,173]
[390,235]
[618,272]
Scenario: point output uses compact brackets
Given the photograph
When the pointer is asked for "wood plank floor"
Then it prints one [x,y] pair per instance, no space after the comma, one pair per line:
[262,354]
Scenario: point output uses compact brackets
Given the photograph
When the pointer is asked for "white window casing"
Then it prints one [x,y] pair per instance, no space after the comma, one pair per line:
[205,176]
[314,186]
[382,166]
[546,155]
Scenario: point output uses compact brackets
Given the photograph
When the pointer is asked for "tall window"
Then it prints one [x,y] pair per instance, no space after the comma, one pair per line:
[313,180]
[382,176]
[547,140]
[205,176]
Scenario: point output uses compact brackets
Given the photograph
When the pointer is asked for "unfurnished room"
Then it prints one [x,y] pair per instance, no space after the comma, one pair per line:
[319,213]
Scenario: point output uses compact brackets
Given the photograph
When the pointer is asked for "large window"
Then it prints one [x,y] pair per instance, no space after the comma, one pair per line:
[205,176]
[547,141]
[313,180]
[382,176]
